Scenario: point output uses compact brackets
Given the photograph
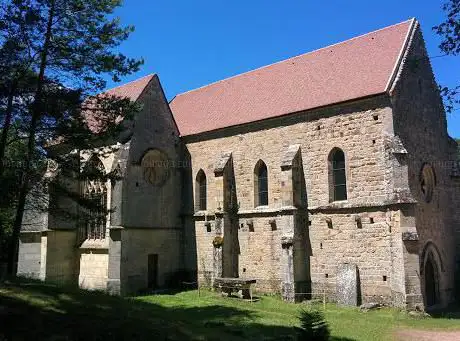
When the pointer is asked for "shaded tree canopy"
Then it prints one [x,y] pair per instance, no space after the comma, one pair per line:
[449,30]
[55,57]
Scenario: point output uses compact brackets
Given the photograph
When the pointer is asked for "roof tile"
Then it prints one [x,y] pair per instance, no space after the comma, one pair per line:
[355,68]
[131,90]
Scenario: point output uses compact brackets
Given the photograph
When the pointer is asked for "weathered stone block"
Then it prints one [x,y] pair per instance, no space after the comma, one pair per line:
[407,236]
[347,284]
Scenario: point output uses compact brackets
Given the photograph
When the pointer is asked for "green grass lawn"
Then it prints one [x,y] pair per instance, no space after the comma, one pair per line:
[37,311]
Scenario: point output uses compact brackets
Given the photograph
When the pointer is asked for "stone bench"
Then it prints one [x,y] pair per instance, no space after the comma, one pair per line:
[230,285]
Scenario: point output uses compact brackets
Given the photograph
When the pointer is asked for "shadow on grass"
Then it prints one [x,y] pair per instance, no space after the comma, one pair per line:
[451,312]
[37,311]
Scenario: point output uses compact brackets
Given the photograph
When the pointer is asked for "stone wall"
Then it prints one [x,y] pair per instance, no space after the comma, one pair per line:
[205,252]
[360,130]
[29,256]
[93,254]
[93,268]
[259,253]
[49,255]
[420,122]
[136,245]
[149,214]
[368,243]
[143,204]
[61,257]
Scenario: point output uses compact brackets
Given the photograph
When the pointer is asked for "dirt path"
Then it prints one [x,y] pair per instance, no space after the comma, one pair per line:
[426,335]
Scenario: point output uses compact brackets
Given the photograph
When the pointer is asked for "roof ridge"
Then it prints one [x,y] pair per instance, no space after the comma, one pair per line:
[135,80]
[290,58]
[402,55]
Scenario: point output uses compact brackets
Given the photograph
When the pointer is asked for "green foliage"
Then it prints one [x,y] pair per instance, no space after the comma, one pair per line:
[450,97]
[54,58]
[53,312]
[9,182]
[6,229]
[449,30]
[313,326]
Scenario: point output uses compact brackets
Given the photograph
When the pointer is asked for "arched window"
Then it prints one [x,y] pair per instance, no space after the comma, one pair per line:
[260,184]
[94,191]
[201,194]
[337,175]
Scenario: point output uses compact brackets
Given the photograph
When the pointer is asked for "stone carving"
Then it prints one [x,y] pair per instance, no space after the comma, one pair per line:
[288,287]
[221,163]
[155,167]
[217,261]
[347,284]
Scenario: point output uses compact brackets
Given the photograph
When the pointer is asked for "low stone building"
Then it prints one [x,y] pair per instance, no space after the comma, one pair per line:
[330,173]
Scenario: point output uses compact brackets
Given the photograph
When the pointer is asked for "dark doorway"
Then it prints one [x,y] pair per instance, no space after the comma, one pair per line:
[152,271]
[431,290]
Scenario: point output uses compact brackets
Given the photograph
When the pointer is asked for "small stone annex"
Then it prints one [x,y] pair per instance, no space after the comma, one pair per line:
[327,173]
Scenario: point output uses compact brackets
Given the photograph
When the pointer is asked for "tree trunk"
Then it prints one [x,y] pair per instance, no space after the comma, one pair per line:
[6,125]
[36,112]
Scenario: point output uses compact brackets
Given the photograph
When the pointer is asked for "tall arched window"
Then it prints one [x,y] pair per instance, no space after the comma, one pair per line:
[94,190]
[260,184]
[337,175]
[201,191]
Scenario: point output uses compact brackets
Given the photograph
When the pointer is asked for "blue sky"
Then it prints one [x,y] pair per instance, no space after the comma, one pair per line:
[192,43]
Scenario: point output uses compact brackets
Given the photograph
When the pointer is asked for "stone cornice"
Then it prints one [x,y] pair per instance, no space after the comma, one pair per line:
[258,211]
[345,205]
[95,244]
[335,206]
[114,227]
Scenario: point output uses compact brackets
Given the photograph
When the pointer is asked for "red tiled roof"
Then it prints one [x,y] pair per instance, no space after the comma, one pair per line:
[358,67]
[131,90]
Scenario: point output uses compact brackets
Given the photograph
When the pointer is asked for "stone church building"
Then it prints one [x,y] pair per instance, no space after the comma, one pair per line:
[325,172]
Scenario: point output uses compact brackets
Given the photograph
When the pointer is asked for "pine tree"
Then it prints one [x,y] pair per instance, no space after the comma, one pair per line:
[313,326]
[65,49]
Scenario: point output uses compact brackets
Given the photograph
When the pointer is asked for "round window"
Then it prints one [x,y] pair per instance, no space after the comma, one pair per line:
[155,167]
[427,182]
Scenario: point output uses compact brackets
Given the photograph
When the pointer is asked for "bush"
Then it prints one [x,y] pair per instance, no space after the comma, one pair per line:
[313,326]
